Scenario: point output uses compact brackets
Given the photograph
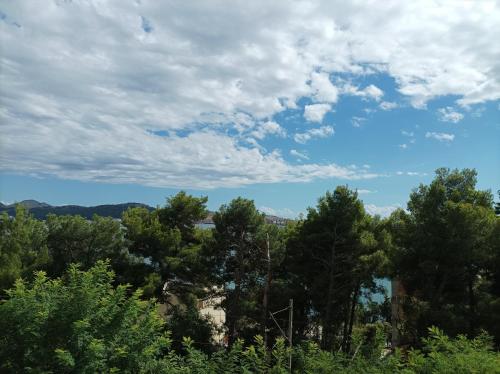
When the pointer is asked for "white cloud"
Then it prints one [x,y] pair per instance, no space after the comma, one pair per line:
[373,92]
[320,132]
[365,191]
[322,88]
[316,112]
[298,154]
[409,134]
[411,173]
[478,112]
[441,136]
[448,114]
[269,128]
[357,121]
[131,155]
[388,105]
[283,213]
[243,122]
[92,77]
[369,92]
[383,211]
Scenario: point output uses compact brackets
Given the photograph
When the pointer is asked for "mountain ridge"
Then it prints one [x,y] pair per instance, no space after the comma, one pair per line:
[40,210]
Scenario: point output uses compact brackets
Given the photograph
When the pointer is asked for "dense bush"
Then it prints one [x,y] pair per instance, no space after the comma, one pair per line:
[80,323]
[440,354]
[187,321]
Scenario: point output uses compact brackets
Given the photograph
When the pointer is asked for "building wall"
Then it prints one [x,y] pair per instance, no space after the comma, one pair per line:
[211,307]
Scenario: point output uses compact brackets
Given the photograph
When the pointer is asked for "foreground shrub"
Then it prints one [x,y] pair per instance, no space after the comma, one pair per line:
[81,323]
[441,354]
[78,323]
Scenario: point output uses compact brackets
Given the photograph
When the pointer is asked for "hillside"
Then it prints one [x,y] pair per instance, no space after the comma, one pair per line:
[41,210]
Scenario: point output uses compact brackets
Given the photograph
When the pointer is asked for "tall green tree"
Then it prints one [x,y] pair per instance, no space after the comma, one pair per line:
[330,255]
[488,290]
[169,243]
[238,250]
[442,249]
[182,212]
[23,247]
[74,239]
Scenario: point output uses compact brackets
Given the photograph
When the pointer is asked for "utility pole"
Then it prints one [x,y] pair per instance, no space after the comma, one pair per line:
[290,332]
[267,286]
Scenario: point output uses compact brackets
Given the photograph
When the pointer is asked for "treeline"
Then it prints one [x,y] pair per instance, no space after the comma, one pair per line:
[82,323]
[42,210]
[444,251]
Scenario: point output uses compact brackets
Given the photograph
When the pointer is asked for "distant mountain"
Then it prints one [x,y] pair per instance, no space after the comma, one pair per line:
[41,210]
[28,204]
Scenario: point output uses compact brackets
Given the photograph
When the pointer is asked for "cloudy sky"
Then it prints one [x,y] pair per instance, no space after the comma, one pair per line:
[278,101]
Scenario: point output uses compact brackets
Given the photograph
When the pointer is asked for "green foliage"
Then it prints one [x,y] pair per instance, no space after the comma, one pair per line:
[74,239]
[252,359]
[445,248]
[23,247]
[440,354]
[187,322]
[149,241]
[238,251]
[40,211]
[334,253]
[442,250]
[497,205]
[310,359]
[182,211]
[78,323]
[169,244]
[81,323]
[489,302]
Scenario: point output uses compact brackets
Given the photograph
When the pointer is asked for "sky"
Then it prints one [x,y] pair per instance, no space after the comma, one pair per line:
[118,101]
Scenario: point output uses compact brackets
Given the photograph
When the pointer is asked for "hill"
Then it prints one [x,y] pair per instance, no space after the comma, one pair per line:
[41,210]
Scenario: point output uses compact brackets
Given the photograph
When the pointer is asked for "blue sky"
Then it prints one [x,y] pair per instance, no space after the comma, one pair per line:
[106,102]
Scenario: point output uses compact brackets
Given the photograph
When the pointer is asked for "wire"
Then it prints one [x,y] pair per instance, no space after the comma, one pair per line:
[279,311]
[281,330]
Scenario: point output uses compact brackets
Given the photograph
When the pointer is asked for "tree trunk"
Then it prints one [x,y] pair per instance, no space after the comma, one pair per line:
[345,330]
[327,327]
[234,313]
[472,301]
[436,296]
[354,303]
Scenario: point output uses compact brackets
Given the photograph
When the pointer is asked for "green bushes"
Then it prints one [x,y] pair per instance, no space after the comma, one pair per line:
[81,323]
[441,354]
